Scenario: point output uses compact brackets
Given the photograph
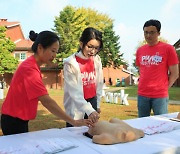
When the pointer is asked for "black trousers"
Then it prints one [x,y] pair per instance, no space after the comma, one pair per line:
[11,125]
[93,102]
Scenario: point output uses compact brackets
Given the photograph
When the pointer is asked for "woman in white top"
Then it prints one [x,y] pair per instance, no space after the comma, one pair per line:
[83,78]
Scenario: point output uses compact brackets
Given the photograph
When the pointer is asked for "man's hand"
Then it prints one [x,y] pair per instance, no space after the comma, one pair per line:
[94,116]
[83,122]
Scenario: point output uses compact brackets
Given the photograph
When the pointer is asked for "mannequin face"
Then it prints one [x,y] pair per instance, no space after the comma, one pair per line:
[151,35]
[47,55]
[91,48]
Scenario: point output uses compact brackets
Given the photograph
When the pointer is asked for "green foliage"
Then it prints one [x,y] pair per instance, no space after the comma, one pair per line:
[68,26]
[72,21]
[178,52]
[111,55]
[7,62]
[95,19]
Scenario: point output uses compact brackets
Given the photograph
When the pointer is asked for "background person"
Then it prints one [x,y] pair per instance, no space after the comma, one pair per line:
[27,88]
[83,78]
[158,67]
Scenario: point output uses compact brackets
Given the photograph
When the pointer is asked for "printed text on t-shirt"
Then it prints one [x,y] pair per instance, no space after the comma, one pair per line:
[88,78]
[151,60]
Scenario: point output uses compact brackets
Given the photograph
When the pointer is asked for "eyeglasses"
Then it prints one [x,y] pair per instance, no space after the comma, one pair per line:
[150,33]
[90,48]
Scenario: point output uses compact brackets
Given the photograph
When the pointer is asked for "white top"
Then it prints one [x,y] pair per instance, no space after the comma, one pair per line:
[75,104]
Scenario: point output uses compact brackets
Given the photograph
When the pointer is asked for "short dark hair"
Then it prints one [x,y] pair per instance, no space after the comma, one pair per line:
[45,38]
[89,34]
[153,22]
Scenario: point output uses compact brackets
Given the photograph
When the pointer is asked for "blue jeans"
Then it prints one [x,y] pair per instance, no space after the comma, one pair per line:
[158,105]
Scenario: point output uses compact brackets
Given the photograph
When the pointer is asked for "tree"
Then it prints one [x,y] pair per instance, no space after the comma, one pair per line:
[95,19]
[178,52]
[72,21]
[69,26]
[8,63]
[111,55]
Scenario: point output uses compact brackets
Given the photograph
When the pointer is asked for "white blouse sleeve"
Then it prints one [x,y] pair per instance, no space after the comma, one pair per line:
[74,89]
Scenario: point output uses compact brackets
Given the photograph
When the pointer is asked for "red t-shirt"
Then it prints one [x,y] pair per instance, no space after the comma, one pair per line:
[153,62]
[88,76]
[25,88]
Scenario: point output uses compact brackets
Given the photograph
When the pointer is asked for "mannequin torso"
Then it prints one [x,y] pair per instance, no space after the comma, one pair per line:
[114,131]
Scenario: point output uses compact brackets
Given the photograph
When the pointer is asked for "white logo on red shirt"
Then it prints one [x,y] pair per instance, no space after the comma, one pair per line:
[151,60]
[88,78]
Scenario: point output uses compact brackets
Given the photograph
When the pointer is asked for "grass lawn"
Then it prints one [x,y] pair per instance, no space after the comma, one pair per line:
[174,92]
[45,120]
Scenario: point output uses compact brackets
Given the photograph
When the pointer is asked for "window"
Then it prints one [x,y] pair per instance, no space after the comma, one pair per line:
[21,56]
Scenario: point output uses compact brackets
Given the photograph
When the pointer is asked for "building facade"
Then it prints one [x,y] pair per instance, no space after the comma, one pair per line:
[51,76]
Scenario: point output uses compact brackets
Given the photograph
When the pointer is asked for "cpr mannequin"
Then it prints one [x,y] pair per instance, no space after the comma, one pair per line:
[114,131]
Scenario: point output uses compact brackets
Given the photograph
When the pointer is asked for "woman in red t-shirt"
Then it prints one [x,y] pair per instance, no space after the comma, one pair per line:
[27,88]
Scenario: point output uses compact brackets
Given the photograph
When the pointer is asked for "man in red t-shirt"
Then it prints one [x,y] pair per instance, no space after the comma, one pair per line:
[158,67]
